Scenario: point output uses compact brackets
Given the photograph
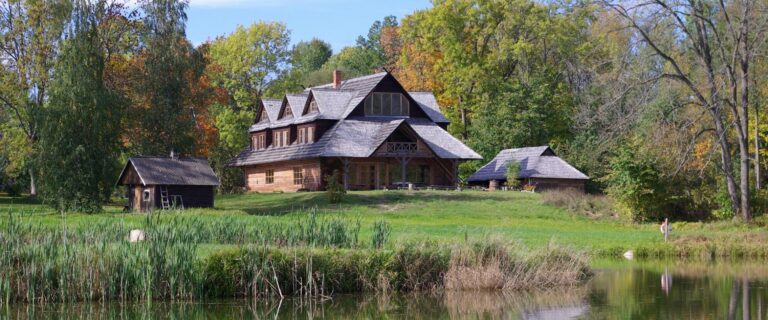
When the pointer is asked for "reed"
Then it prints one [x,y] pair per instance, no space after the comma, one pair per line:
[313,256]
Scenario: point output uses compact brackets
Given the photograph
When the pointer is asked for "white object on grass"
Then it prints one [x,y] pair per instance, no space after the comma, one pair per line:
[136,235]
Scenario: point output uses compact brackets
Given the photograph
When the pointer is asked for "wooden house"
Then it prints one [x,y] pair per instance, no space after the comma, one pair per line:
[168,182]
[370,129]
[539,167]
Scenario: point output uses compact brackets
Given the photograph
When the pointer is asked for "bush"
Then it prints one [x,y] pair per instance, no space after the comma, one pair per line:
[333,188]
[513,171]
[637,185]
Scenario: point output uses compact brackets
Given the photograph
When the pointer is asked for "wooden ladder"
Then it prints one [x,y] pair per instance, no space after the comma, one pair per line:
[164,199]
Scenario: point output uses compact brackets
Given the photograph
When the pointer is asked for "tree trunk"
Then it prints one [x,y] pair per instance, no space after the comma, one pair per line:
[743,140]
[32,185]
[758,182]
[726,161]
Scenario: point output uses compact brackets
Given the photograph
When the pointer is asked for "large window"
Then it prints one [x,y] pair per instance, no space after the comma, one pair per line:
[298,175]
[270,176]
[387,104]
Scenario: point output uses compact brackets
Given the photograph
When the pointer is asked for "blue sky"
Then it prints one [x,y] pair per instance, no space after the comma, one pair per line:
[338,22]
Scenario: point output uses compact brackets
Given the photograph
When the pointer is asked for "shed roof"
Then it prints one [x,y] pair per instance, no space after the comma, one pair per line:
[172,171]
[535,162]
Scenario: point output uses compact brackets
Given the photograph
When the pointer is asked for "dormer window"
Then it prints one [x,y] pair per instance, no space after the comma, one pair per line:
[387,104]
[263,116]
[312,106]
[287,112]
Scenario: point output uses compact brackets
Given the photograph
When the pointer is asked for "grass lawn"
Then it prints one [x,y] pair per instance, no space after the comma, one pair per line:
[419,215]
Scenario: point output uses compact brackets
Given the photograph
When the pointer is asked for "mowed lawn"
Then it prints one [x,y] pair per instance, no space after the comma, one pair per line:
[412,215]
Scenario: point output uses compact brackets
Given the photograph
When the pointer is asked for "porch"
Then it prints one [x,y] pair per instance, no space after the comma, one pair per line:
[398,165]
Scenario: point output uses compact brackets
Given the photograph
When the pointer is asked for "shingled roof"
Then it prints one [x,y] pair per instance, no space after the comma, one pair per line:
[535,162]
[359,137]
[338,103]
[172,171]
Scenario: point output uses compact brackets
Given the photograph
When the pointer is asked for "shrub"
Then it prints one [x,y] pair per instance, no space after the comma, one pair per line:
[513,171]
[333,188]
[637,184]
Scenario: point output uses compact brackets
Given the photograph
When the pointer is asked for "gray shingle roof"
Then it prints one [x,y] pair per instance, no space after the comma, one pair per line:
[442,143]
[359,138]
[535,162]
[173,171]
[429,104]
[336,104]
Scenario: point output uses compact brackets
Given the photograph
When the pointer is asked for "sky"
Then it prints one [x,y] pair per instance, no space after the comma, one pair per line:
[337,22]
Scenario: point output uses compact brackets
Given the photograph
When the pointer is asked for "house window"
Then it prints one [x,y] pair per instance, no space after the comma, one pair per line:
[270,176]
[387,104]
[263,117]
[259,141]
[287,112]
[301,138]
[298,175]
[312,106]
[280,138]
[145,196]
[311,134]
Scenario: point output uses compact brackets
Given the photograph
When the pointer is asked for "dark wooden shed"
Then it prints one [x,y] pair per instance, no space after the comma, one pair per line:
[168,182]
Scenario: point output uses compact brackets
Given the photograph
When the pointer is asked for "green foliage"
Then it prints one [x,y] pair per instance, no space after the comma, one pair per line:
[250,59]
[167,123]
[381,231]
[523,114]
[513,173]
[78,145]
[334,188]
[637,184]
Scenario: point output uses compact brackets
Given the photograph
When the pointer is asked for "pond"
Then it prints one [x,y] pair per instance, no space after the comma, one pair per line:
[619,290]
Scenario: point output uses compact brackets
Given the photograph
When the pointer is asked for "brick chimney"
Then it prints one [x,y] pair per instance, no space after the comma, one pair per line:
[336,79]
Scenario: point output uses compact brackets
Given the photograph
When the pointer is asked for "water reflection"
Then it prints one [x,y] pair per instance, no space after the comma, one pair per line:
[620,290]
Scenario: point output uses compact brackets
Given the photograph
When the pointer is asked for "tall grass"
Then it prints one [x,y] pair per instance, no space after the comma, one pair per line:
[577,202]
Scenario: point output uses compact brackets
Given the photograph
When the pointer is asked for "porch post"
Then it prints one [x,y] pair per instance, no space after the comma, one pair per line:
[345,172]
[455,163]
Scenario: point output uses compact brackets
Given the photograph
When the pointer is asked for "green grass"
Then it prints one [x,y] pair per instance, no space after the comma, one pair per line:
[445,216]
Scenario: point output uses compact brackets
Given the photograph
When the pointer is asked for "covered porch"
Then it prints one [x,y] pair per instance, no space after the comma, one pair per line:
[398,165]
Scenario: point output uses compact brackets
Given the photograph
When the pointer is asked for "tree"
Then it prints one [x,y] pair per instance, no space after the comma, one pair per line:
[81,122]
[163,120]
[713,63]
[249,60]
[245,64]
[29,45]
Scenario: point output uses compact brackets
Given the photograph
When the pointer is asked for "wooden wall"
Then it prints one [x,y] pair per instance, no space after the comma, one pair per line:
[256,176]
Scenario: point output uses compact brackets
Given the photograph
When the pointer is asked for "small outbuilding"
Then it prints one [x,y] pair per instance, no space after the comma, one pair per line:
[539,167]
[168,182]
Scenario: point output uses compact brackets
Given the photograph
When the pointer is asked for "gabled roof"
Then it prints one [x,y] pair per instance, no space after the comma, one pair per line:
[359,137]
[273,107]
[535,162]
[338,103]
[172,171]
[429,104]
